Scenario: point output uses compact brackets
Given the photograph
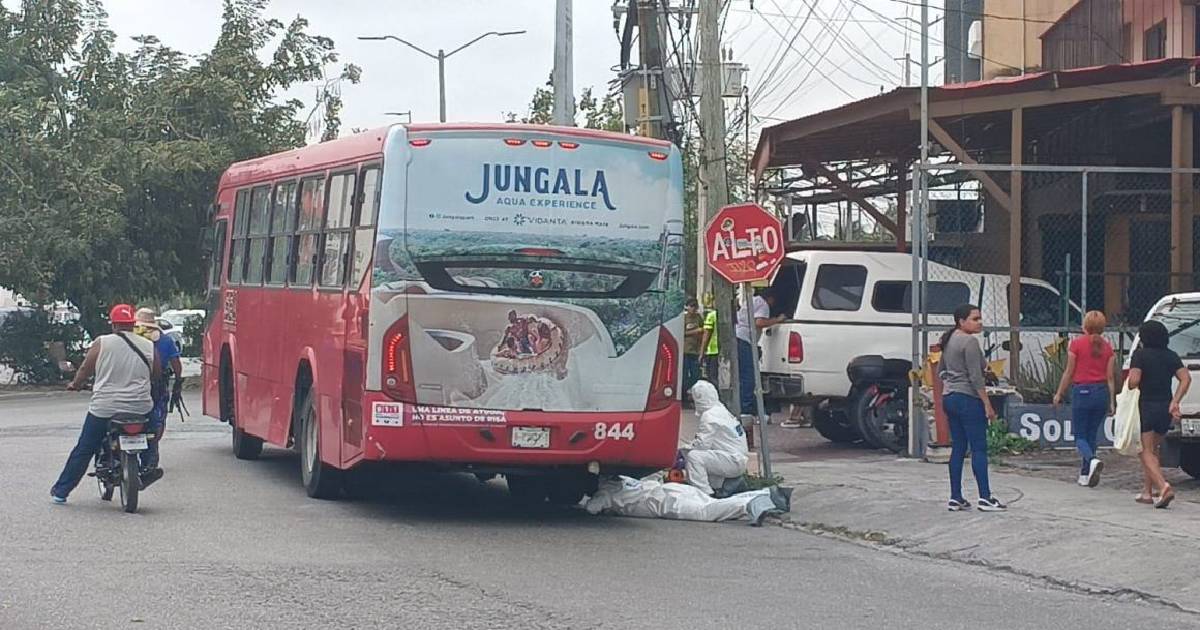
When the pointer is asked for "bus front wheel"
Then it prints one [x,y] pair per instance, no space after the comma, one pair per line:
[245,446]
[321,481]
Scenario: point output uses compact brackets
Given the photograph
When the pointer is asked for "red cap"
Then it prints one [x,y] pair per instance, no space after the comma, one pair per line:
[121,314]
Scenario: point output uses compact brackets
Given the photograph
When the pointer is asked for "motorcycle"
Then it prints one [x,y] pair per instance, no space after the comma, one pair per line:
[117,466]
[879,401]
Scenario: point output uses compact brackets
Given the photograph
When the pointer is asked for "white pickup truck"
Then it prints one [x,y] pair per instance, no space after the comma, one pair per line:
[850,311]
[1180,313]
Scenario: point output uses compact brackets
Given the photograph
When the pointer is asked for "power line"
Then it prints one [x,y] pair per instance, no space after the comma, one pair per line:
[780,55]
[1011,18]
[815,67]
[887,76]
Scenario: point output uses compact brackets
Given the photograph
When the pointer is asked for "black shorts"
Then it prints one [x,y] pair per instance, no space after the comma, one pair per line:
[1156,416]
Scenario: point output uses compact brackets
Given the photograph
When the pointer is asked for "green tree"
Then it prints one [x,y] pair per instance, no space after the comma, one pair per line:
[110,160]
[597,113]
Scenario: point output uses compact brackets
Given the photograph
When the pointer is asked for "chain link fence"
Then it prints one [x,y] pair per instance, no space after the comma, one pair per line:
[1088,239]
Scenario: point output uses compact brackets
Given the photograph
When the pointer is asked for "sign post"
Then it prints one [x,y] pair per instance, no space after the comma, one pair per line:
[745,244]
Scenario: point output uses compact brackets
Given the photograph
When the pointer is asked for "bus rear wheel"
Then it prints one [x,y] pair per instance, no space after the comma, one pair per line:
[527,490]
[321,481]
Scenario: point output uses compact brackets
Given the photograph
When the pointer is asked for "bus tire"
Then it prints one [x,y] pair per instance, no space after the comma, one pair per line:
[321,481]
[568,489]
[1189,459]
[245,446]
[527,490]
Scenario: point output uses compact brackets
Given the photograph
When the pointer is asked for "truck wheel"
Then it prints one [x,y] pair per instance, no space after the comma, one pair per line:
[321,481]
[833,425]
[1189,459]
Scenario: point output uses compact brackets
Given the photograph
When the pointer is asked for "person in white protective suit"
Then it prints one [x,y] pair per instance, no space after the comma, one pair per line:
[649,498]
[719,450]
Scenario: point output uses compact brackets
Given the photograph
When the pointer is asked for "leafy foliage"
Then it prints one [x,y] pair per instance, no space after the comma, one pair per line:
[25,341]
[598,113]
[110,159]
[1001,442]
[1038,381]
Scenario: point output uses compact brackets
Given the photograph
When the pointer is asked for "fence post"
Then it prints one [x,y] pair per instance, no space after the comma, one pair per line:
[1083,247]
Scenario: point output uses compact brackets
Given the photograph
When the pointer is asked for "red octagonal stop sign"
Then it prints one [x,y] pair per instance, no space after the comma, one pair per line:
[744,243]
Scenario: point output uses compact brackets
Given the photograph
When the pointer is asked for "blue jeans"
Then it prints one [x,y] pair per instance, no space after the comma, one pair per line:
[968,429]
[158,419]
[1089,408]
[91,439]
[746,369]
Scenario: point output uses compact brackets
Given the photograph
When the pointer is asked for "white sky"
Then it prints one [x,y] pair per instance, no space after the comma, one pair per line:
[497,75]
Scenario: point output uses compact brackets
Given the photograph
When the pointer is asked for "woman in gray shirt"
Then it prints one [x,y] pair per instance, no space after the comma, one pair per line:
[967,407]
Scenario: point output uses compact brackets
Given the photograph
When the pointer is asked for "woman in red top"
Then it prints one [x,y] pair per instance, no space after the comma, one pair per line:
[1091,373]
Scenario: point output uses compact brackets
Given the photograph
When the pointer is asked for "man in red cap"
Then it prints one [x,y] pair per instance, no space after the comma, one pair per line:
[124,365]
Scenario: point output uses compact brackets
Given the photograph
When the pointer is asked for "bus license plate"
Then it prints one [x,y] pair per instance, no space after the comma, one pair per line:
[1190,427]
[530,437]
[132,442]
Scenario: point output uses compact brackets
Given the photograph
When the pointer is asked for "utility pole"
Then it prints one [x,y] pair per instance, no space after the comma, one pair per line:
[650,109]
[563,79]
[714,179]
[918,428]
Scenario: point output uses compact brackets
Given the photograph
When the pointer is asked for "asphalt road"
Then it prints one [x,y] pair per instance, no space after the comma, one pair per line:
[221,543]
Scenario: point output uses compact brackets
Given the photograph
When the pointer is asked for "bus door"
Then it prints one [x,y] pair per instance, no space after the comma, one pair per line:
[355,312]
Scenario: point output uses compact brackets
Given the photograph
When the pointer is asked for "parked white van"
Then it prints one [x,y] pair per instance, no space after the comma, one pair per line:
[850,312]
[1180,313]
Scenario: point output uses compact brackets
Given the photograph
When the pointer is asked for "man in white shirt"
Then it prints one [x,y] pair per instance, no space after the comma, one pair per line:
[762,319]
[124,365]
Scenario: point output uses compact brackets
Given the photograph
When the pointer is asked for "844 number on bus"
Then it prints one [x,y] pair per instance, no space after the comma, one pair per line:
[614,431]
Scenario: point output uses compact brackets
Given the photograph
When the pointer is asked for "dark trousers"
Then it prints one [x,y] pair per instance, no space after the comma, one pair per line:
[968,429]
[91,439]
[746,369]
[1089,408]
[691,371]
[712,369]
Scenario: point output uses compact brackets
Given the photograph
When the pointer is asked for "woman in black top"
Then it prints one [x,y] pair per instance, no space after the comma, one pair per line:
[1152,367]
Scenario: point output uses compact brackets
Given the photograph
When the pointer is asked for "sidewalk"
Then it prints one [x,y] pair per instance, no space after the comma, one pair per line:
[1096,540]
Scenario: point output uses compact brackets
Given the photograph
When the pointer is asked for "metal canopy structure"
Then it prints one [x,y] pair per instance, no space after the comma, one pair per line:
[862,151]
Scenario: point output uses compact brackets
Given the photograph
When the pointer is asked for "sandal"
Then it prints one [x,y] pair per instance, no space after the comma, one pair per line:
[1146,500]
[1164,501]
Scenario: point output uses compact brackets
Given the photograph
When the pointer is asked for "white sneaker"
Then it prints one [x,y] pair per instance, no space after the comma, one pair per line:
[1083,480]
[1094,469]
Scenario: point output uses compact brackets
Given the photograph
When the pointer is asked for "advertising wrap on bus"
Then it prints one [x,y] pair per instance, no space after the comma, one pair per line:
[527,271]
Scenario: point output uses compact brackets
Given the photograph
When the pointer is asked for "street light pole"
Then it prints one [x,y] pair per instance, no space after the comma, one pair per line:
[441,85]
[440,57]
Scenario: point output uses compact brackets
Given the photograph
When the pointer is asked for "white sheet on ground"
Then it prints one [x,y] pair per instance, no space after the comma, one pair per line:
[646,498]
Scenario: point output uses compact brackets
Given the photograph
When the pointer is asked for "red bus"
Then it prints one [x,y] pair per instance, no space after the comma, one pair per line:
[496,299]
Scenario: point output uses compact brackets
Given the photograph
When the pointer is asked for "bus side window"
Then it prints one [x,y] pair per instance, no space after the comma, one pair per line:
[364,231]
[217,263]
[237,253]
[338,215]
[260,217]
[308,231]
[283,223]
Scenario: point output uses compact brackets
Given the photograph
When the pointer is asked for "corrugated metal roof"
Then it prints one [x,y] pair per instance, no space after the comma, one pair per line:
[881,125]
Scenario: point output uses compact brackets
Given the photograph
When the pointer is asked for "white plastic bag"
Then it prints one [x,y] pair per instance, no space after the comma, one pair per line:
[1127,422]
